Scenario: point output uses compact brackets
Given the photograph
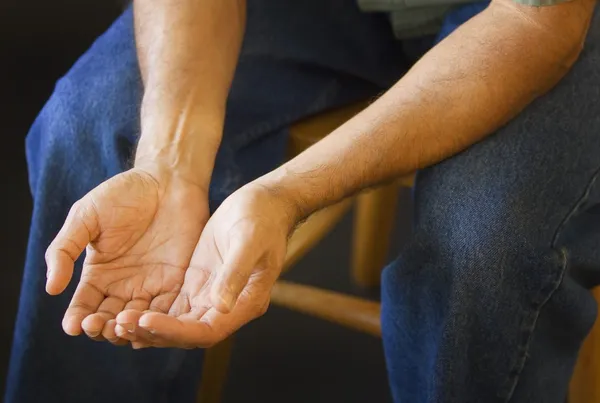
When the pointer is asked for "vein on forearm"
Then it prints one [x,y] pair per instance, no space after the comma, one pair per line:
[187,52]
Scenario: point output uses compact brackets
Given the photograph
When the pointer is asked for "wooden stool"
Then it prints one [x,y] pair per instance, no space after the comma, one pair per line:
[585,383]
[374,213]
[364,316]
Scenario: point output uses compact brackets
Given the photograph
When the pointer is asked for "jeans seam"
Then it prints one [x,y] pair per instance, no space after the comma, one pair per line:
[550,289]
[581,201]
[531,321]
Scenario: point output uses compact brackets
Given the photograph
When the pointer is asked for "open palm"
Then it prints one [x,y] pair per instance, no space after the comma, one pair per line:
[139,231]
[228,283]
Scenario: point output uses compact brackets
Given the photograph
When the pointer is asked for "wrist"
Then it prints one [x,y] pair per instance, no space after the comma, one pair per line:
[287,190]
[194,166]
[169,178]
[185,147]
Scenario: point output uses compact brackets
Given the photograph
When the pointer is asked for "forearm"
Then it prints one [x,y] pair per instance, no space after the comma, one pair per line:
[187,51]
[465,88]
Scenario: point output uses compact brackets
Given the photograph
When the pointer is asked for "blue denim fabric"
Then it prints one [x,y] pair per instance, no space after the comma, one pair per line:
[488,303]
[490,300]
[298,58]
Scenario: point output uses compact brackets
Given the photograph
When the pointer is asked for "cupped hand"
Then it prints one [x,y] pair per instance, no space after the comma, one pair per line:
[139,230]
[234,266]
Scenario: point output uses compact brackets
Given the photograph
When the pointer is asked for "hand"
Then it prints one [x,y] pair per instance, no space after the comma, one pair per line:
[236,262]
[140,229]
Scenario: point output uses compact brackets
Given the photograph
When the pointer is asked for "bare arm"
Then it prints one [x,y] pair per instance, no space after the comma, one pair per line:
[188,50]
[465,88]
[140,227]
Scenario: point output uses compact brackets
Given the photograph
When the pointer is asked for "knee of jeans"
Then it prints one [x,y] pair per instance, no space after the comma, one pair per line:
[465,253]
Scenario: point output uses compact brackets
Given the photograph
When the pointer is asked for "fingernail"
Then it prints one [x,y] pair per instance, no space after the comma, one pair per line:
[129,327]
[125,328]
[144,325]
[131,336]
[143,322]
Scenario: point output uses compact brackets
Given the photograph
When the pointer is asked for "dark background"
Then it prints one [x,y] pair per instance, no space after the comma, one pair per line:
[283,356]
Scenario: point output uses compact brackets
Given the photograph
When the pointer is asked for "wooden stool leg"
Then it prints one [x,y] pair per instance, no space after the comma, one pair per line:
[585,387]
[374,219]
[214,372]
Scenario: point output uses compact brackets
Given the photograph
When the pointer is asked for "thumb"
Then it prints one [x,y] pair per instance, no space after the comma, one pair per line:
[79,229]
[233,276]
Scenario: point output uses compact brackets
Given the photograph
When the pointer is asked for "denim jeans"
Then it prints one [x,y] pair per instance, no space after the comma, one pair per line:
[488,303]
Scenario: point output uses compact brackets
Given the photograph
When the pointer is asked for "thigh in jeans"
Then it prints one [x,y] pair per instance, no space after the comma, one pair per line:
[490,301]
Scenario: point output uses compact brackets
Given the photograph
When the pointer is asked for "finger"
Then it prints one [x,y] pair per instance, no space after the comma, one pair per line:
[140,338]
[127,319]
[180,306]
[126,328]
[177,332]
[206,329]
[162,303]
[127,324]
[79,229]
[232,276]
[197,282]
[93,324]
[192,331]
[108,332]
[130,330]
[85,302]
[138,345]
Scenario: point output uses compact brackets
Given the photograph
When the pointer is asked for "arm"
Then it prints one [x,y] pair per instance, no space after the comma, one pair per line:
[188,51]
[139,228]
[463,89]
